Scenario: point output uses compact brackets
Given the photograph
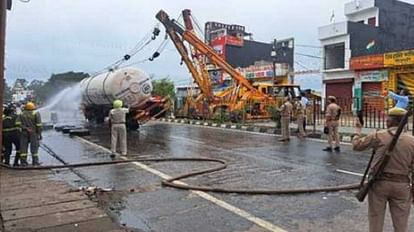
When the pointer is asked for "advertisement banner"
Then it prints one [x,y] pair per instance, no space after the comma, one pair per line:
[235,41]
[399,58]
[373,76]
[367,62]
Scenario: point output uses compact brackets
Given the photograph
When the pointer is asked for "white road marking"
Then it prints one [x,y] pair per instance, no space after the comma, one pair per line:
[349,172]
[187,139]
[244,214]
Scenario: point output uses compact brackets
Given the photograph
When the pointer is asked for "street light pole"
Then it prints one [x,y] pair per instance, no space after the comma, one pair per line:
[3,6]
[273,54]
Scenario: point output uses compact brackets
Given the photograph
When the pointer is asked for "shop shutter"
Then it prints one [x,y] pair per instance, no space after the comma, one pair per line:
[406,81]
[371,94]
[343,93]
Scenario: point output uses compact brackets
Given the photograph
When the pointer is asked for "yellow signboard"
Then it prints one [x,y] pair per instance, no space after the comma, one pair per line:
[399,58]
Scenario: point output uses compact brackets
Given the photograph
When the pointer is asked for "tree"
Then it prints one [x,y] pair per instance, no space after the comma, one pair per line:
[163,87]
[36,85]
[7,94]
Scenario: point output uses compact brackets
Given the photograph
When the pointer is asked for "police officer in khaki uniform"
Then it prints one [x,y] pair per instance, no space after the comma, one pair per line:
[117,117]
[332,122]
[285,113]
[299,109]
[394,185]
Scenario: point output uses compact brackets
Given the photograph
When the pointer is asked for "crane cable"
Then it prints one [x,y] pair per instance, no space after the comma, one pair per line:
[145,41]
[158,51]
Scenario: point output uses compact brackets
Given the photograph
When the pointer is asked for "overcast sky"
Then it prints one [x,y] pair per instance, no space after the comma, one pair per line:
[54,36]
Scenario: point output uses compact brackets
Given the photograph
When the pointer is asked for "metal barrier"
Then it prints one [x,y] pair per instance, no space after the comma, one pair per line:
[374,116]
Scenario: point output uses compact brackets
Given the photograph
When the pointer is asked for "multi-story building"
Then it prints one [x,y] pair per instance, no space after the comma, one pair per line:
[233,44]
[20,93]
[372,28]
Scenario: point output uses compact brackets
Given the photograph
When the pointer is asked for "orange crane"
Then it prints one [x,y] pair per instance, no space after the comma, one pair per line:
[233,99]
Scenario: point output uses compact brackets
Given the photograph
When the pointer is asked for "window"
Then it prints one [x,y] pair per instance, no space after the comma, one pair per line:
[361,22]
[335,56]
[372,21]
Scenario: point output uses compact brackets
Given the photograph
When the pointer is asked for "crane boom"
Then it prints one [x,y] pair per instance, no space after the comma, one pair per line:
[191,38]
[174,30]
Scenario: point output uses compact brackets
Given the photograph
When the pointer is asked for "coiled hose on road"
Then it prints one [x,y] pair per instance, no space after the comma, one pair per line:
[174,181]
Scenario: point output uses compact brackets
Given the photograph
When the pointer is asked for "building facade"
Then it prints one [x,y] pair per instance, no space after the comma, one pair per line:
[353,51]
[233,44]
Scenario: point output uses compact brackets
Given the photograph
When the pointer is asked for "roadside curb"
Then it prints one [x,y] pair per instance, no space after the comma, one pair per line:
[344,137]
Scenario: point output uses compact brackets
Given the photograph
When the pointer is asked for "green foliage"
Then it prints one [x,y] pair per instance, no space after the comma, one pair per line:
[7,93]
[163,87]
[274,115]
[36,85]
[221,116]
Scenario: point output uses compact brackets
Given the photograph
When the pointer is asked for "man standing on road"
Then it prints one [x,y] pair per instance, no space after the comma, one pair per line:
[285,113]
[333,112]
[402,99]
[31,125]
[117,117]
[305,103]
[299,110]
[393,187]
[11,135]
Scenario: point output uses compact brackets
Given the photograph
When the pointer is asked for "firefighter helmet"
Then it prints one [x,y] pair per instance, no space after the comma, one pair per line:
[30,106]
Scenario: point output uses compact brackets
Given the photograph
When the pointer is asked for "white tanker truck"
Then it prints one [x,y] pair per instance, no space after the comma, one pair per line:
[130,85]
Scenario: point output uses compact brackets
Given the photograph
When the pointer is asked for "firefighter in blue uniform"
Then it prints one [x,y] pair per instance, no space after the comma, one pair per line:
[11,135]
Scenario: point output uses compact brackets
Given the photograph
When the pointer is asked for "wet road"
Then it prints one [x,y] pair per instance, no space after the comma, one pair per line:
[255,161]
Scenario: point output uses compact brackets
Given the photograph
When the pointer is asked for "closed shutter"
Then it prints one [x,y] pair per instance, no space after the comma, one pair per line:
[371,94]
[406,81]
[343,93]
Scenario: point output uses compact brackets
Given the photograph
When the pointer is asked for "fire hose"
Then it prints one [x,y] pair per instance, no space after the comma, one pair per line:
[173,181]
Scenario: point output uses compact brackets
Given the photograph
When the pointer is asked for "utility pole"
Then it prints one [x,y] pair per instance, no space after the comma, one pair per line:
[273,54]
[3,6]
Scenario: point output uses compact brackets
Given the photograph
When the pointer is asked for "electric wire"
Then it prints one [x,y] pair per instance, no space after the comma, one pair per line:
[196,22]
[307,55]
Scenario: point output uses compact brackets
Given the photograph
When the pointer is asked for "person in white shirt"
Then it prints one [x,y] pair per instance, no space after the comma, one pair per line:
[117,117]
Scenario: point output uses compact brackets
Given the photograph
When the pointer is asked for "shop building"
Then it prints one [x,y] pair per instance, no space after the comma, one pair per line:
[253,58]
[373,28]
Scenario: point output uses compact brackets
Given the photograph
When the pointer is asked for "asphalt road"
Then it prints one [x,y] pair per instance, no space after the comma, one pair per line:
[255,161]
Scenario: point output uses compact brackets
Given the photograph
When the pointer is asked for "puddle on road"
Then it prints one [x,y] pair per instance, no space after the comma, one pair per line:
[116,205]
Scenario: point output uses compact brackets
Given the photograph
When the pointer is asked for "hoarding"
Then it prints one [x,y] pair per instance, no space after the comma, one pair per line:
[230,28]
[367,62]
[227,40]
[373,76]
[260,71]
[399,58]
[233,40]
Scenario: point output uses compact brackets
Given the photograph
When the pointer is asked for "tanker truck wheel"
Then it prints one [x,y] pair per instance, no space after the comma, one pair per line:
[132,124]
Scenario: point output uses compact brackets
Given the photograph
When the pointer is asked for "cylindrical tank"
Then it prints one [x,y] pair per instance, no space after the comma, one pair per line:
[130,85]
